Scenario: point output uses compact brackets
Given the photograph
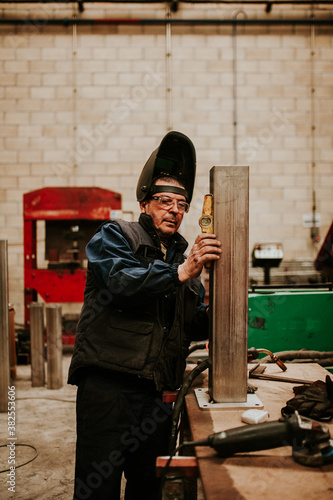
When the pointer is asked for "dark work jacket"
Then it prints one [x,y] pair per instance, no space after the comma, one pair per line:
[137,317]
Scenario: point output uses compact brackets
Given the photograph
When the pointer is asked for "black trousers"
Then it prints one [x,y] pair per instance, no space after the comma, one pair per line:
[122,426]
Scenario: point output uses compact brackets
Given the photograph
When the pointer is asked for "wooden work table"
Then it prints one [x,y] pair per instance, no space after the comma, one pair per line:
[267,474]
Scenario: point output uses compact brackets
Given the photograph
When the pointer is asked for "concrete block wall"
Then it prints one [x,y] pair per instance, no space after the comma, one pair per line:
[87,106]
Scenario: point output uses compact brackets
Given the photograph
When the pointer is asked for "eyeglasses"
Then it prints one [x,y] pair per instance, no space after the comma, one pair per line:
[167,203]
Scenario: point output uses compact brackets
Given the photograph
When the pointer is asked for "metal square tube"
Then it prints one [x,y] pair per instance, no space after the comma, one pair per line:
[229,285]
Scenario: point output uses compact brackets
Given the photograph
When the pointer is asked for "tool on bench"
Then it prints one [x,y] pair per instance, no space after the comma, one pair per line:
[310,440]
[253,354]
[257,372]
[312,399]
[276,378]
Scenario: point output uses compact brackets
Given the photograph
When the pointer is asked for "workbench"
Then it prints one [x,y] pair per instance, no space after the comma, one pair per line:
[262,475]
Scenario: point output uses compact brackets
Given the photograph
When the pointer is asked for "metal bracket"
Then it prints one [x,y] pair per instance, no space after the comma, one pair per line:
[205,402]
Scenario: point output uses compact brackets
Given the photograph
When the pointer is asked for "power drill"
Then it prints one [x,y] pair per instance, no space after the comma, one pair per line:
[309,439]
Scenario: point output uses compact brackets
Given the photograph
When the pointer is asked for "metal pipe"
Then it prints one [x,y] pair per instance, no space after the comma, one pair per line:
[54,346]
[234,90]
[75,93]
[234,86]
[228,285]
[169,125]
[4,328]
[222,2]
[37,344]
[120,21]
[314,231]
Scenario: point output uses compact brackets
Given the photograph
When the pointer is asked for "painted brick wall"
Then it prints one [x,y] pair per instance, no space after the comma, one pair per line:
[87,106]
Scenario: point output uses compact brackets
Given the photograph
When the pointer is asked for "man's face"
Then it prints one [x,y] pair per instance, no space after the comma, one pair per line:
[165,221]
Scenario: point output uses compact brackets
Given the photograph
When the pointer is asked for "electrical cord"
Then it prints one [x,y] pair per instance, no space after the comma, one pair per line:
[173,448]
[180,401]
[29,445]
[25,463]
[166,470]
[49,399]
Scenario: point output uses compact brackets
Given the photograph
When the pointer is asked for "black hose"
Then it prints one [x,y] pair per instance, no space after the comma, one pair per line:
[325,362]
[303,355]
[180,401]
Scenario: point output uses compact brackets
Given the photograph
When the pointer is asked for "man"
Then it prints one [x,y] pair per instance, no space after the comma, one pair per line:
[143,305]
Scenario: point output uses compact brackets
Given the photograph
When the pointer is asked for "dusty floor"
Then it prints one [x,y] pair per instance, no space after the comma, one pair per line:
[45,419]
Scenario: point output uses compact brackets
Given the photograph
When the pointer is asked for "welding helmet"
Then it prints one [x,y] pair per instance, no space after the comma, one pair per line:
[175,157]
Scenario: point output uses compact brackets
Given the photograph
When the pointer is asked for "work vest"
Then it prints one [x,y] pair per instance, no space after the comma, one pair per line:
[136,338]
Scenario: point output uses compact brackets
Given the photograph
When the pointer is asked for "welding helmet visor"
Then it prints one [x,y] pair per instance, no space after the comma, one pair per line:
[175,157]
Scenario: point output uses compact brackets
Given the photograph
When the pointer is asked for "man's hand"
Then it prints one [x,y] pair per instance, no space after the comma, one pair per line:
[206,247]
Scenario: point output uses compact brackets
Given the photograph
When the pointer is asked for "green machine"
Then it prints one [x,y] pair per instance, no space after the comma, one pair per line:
[291,319]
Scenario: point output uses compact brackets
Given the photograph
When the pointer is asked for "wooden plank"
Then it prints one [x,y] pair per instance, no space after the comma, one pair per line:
[229,288]
[178,466]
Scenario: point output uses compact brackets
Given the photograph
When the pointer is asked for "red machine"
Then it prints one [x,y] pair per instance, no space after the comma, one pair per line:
[71,216]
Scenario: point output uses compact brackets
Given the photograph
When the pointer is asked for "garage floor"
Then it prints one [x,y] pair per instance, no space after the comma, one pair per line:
[45,420]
